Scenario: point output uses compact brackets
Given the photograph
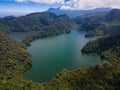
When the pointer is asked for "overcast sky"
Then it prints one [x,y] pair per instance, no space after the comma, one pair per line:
[28,6]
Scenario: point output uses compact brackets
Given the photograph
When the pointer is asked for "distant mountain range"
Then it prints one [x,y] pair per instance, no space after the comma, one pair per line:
[75,13]
[108,24]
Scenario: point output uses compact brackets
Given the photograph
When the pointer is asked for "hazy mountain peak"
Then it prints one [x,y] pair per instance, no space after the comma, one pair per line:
[75,13]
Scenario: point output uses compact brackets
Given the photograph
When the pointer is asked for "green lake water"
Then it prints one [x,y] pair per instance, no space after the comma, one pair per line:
[52,54]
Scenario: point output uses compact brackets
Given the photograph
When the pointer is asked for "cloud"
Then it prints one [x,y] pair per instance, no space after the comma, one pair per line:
[65,7]
[43,1]
[90,4]
[79,4]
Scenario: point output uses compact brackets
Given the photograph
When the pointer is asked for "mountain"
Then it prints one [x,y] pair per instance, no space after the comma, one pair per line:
[100,25]
[13,55]
[14,60]
[40,24]
[108,47]
[33,22]
[58,27]
[75,13]
[103,44]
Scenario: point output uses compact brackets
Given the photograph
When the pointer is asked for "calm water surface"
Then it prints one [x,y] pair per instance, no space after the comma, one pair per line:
[51,55]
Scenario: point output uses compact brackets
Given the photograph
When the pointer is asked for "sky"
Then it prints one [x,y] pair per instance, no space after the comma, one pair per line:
[19,7]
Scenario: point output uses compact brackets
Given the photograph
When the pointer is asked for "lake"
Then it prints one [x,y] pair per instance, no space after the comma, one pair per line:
[52,54]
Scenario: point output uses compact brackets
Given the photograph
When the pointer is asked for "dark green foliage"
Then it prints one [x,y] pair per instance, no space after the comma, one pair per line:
[62,24]
[104,77]
[88,23]
[105,29]
[103,44]
[109,49]
[13,54]
[14,61]
[113,15]
[107,24]
[31,22]
[39,24]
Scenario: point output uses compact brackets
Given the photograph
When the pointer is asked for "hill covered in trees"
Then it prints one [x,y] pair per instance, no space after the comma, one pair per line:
[62,24]
[100,25]
[31,22]
[14,60]
[44,24]
[37,25]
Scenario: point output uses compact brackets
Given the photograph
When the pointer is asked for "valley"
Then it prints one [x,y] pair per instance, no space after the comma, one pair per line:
[62,46]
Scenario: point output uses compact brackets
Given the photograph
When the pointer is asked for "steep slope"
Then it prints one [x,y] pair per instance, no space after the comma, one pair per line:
[62,24]
[109,44]
[30,22]
[14,60]
[13,53]
[37,25]
[88,23]
[101,25]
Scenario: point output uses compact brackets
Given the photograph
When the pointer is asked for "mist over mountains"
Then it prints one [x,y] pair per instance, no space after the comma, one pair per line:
[75,13]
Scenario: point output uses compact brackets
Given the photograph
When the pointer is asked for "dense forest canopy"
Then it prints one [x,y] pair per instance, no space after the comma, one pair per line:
[106,24]
[37,25]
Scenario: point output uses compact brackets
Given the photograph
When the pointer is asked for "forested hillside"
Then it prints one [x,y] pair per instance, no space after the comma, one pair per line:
[63,24]
[108,24]
[14,60]
[45,23]
[103,44]
[37,25]
[30,22]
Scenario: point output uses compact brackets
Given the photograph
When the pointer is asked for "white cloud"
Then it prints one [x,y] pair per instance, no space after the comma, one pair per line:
[91,4]
[79,4]
[65,7]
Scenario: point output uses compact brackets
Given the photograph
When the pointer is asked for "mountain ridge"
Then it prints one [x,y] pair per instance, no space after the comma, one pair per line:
[100,25]
[75,13]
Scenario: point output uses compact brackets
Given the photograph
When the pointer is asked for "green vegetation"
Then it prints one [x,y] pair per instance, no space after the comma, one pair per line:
[103,44]
[109,49]
[14,59]
[37,25]
[58,27]
[107,24]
